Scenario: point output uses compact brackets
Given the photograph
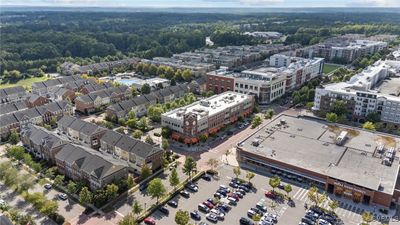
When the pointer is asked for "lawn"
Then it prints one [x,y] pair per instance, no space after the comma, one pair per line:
[329,68]
[26,83]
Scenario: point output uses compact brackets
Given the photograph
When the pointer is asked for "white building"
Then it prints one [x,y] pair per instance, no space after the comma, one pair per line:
[375,89]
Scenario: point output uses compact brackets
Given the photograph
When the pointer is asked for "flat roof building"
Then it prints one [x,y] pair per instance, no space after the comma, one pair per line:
[207,116]
[362,166]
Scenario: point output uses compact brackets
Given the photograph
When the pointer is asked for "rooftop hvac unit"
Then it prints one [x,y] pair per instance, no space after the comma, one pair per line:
[380,148]
[256,142]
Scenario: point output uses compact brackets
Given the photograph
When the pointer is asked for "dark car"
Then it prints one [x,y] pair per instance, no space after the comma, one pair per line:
[164,210]
[307,221]
[246,189]
[218,195]
[192,187]
[185,194]
[173,204]
[212,201]
[226,207]
[143,187]
[281,186]
[203,208]
[238,194]
[245,221]
[195,215]
[206,177]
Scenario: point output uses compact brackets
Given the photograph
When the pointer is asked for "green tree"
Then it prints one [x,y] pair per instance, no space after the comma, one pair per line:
[213,163]
[59,180]
[49,208]
[131,115]
[85,196]
[250,175]
[182,217]
[149,140]
[130,182]
[128,220]
[136,208]
[111,191]
[373,117]
[174,178]
[146,89]
[131,123]
[137,134]
[331,117]
[72,187]
[256,122]
[333,205]
[134,92]
[274,182]
[187,75]
[339,107]
[156,188]
[203,137]
[154,112]
[145,172]
[368,126]
[143,124]
[164,144]
[189,166]
[270,112]
[367,217]
[14,137]
[166,132]
[50,172]
[236,171]
[288,189]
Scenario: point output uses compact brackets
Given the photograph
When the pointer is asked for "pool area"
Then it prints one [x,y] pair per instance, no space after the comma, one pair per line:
[130,81]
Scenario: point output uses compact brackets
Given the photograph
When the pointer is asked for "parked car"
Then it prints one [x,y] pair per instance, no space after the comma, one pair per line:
[173,204]
[192,187]
[208,204]
[245,188]
[212,217]
[195,215]
[203,208]
[164,210]
[270,194]
[261,207]
[206,177]
[220,215]
[238,194]
[218,195]
[250,213]
[184,194]
[149,221]
[245,221]
[48,186]
[233,195]
[62,196]
[226,207]
[281,186]
[210,200]
[233,184]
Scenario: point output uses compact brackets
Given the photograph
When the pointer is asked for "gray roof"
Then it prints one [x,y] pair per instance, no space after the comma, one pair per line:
[7,119]
[84,98]
[90,128]
[66,121]
[27,114]
[126,143]
[12,107]
[140,100]
[134,146]
[40,136]
[111,137]
[13,90]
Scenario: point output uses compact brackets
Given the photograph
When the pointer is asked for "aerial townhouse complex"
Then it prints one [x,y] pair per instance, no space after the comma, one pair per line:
[267,83]
[375,89]
[68,68]
[353,163]
[343,50]
[207,116]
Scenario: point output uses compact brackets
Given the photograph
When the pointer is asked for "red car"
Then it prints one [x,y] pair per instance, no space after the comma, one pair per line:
[270,194]
[233,195]
[208,204]
[149,221]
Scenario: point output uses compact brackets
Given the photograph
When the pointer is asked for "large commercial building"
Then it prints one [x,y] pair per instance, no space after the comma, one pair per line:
[349,162]
[375,89]
[267,83]
[207,116]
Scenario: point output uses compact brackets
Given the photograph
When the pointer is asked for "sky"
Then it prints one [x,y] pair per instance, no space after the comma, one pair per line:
[207,3]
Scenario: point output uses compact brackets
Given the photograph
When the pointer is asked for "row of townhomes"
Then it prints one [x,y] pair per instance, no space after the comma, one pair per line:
[375,89]
[93,101]
[140,103]
[48,87]
[343,49]
[207,116]
[12,94]
[68,68]
[36,115]
[282,74]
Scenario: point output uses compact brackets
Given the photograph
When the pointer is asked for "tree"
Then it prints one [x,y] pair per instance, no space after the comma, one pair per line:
[164,144]
[213,163]
[256,122]
[236,171]
[154,112]
[368,126]
[250,175]
[131,123]
[143,124]
[274,182]
[373,117]
[85,196]
[156,188]
[145,172]
[288,189]
[111,191]
[149,140]
[333,205]
[14,137]
[203,137]
[174,178]
[136,208]
[137,134]
[131,115]
[312,195]
[50,172]
[130,182]
[135,92]
[59,180]
[72,187]
[49,208]
[331,117]
[182,217]
[339,107]
[146,89]
[189,166]
[270,112]
[128,220]
[166,132]
[187,75]
[367,217]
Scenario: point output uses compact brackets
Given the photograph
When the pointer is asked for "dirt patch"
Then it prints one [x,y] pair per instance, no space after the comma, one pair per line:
[387,141]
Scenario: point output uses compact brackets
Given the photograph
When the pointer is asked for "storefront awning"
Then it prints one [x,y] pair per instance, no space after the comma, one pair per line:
[175,136]
[187,141]
[195,140]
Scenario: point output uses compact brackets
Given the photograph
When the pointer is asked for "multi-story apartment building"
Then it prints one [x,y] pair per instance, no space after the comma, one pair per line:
[375,89]
[207,116]
[267,83]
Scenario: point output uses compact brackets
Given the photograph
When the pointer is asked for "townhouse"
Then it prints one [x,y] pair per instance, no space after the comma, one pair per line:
[140,103]
[41,142]
[95,100]
[135,152]
[12,107]
[12,94]
[207,116]
[84,164]
[48,87]
[35,115]
[86,133]
[374,90]
[33,100]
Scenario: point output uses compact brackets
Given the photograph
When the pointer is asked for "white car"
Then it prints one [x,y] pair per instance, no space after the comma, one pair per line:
[219,214]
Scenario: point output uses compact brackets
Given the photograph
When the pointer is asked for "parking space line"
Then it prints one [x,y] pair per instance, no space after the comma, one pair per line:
[297,192]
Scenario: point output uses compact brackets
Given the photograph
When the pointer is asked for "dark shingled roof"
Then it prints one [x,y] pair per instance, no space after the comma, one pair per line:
[111,137]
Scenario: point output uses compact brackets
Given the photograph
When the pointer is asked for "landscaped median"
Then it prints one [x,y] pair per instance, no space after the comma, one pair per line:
[168,196]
